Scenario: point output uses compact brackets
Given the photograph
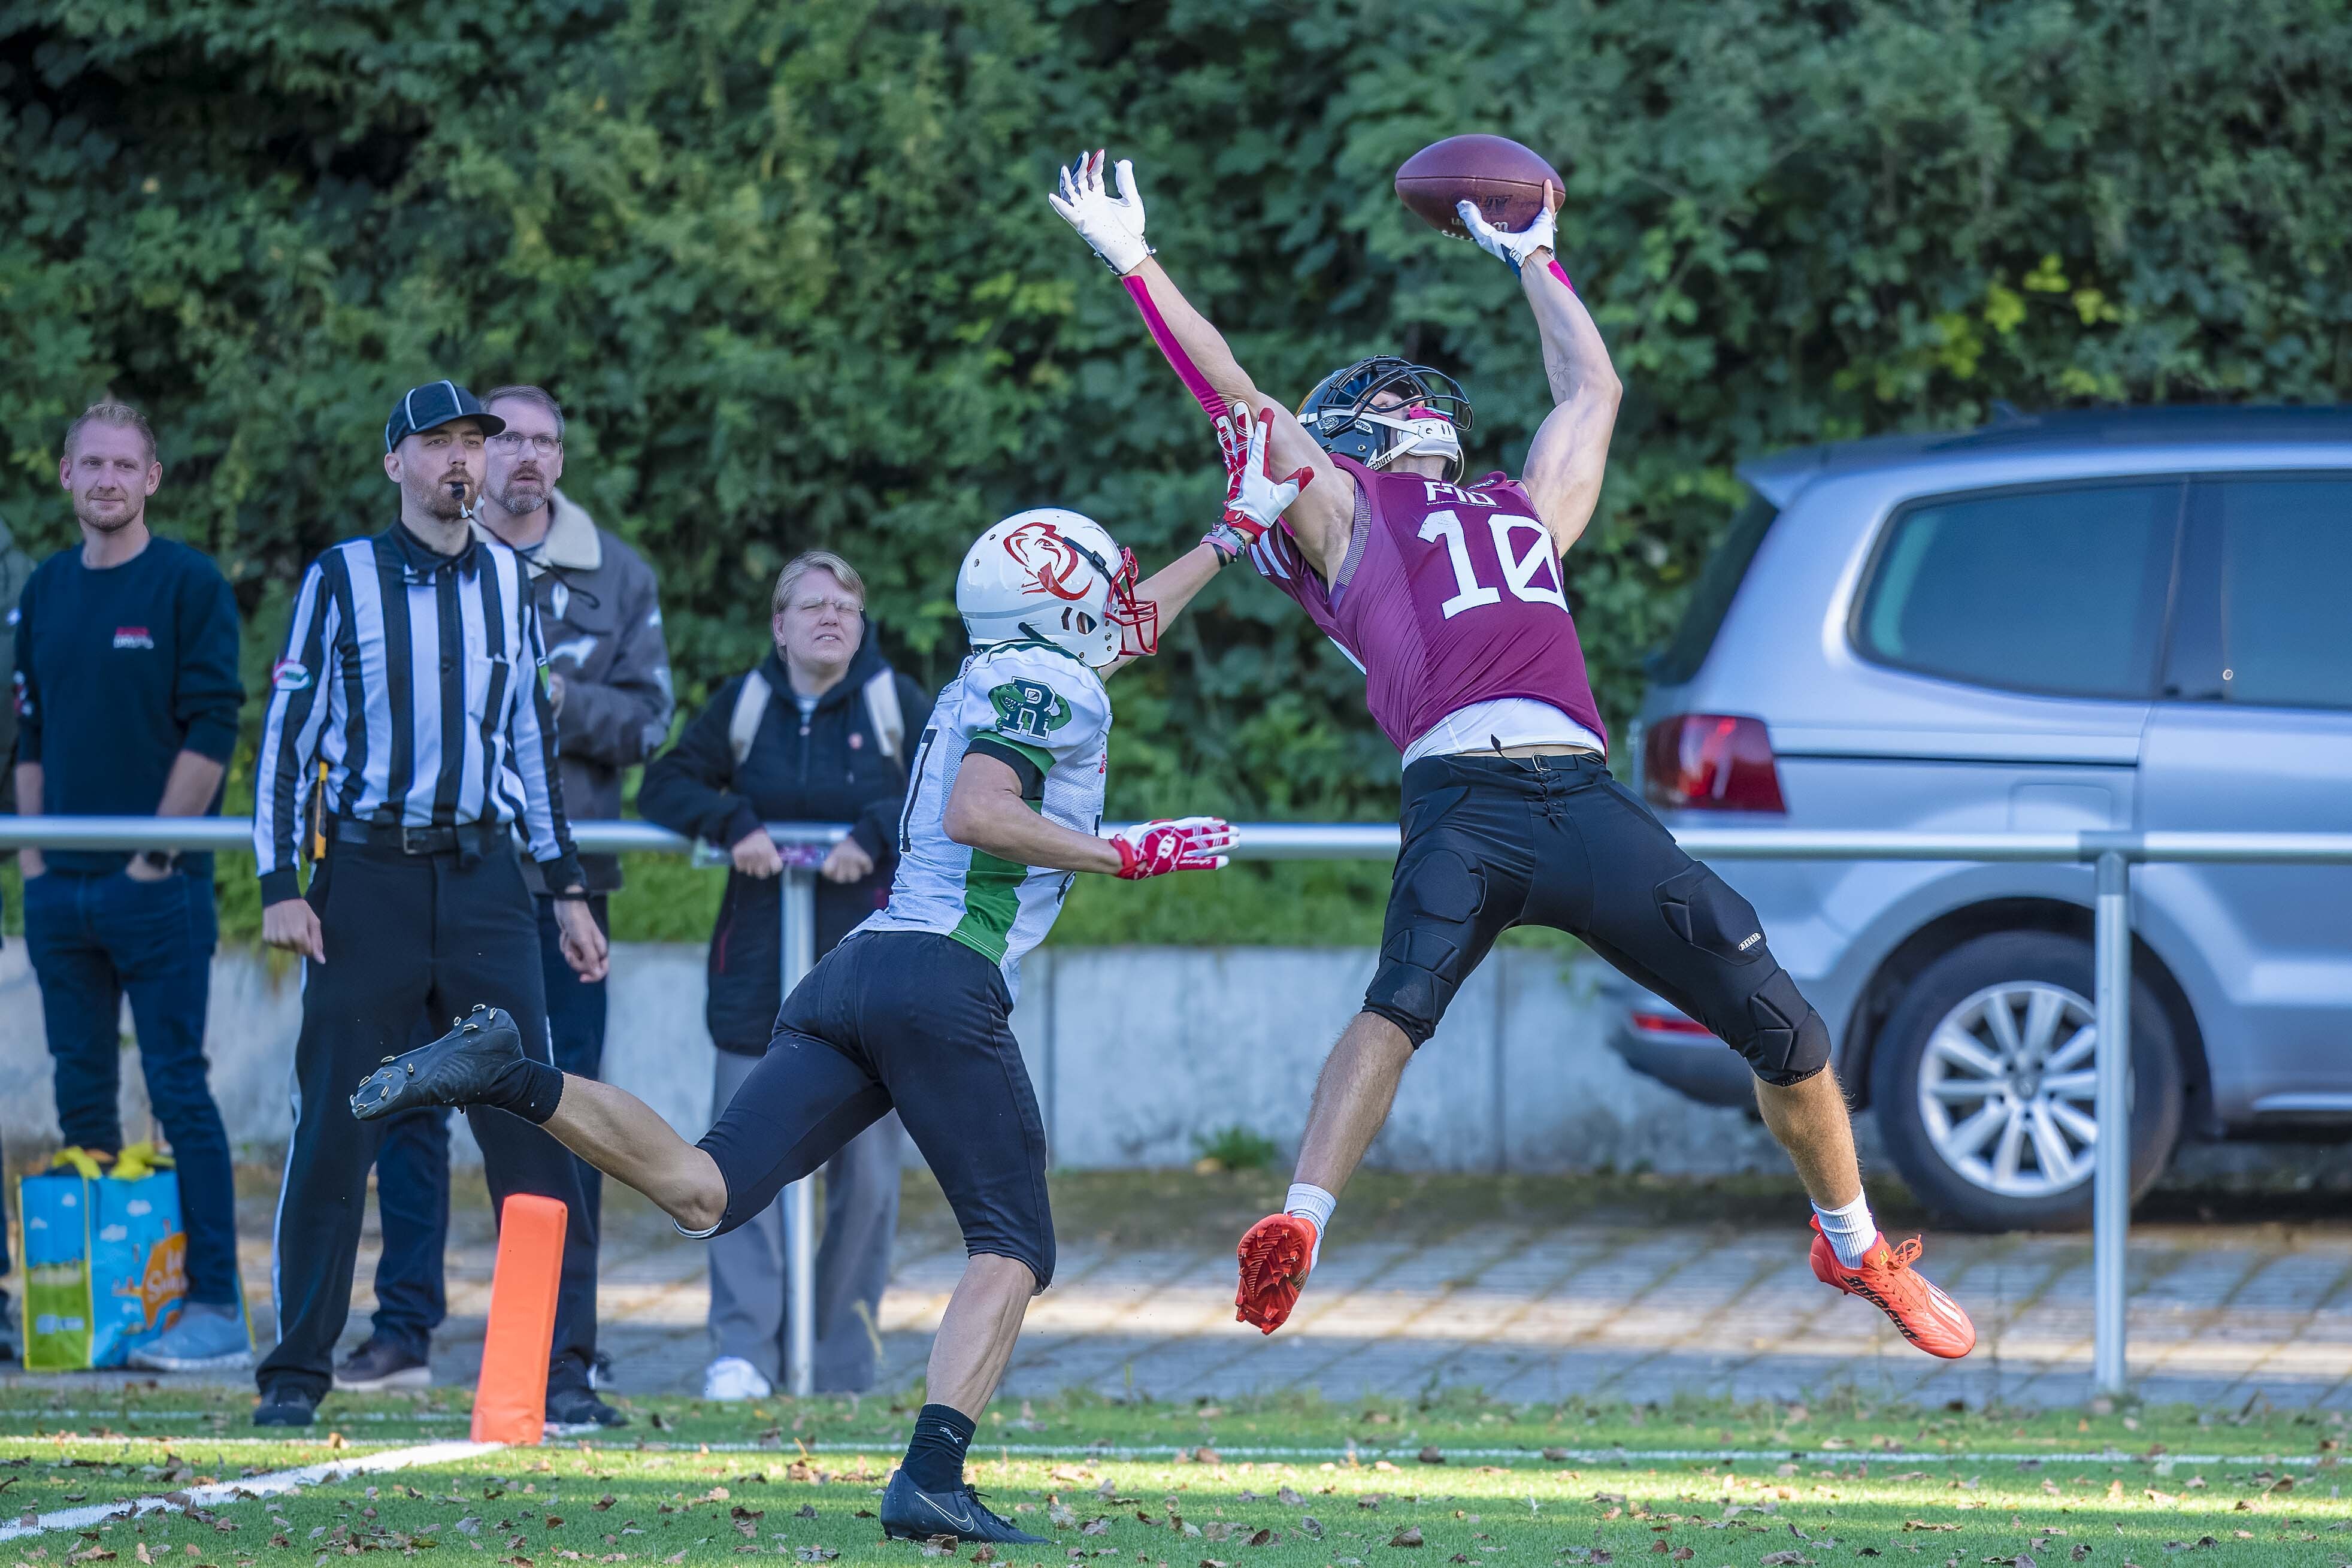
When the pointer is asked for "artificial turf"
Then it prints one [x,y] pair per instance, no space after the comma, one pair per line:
[1268,1481]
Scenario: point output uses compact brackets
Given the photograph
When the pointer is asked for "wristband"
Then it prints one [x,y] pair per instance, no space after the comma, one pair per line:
[1228,541]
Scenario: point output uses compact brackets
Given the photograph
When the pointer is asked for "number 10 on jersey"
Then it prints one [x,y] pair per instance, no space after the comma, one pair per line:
[1530,567]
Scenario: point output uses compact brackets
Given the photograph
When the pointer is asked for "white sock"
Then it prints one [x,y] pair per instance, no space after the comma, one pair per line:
[1851,1230]
[1314,1203]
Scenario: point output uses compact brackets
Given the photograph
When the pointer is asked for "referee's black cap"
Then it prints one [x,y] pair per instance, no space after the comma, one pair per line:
[435,403]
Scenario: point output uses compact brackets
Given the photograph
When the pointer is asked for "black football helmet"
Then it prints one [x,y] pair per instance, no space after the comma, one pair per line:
[1435,415]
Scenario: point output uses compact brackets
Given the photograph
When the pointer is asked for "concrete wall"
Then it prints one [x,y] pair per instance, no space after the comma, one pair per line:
[1136,1052]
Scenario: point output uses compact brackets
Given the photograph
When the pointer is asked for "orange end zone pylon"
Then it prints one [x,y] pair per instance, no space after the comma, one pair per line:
[510,1396]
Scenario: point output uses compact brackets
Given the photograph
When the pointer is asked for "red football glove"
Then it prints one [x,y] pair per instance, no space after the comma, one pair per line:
[1187,844]
[1254,497]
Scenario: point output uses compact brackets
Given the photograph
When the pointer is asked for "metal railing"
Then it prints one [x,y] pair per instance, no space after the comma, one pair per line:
[2111,854]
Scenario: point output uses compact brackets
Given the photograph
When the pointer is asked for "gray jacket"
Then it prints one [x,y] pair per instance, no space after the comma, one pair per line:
[600,612]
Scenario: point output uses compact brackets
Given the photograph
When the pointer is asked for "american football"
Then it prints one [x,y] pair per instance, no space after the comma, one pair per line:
[1504,178]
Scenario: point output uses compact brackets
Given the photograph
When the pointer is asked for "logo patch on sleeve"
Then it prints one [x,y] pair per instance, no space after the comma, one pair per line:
[288,675]
[1029,708]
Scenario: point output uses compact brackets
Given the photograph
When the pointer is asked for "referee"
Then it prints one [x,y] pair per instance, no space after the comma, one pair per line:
[415,672]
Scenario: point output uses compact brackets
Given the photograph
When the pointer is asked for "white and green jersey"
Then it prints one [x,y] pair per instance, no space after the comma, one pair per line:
[1046,716]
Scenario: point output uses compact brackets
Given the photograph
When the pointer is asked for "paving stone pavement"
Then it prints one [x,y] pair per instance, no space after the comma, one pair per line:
[2220,1315]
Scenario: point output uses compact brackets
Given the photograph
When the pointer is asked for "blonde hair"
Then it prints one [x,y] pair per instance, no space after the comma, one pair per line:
[809,560]
[105,411]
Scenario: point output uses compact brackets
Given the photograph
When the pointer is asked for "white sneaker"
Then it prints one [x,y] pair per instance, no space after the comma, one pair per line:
[733,1379]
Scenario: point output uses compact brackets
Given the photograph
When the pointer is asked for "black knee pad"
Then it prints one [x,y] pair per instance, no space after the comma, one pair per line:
[1786,1041]
[1422,963]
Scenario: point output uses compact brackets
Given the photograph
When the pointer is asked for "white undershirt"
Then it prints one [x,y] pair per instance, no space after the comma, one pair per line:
[1512,720]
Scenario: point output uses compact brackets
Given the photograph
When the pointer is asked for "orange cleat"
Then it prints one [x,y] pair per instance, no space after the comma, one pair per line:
[1927,1317]
[1274,1257]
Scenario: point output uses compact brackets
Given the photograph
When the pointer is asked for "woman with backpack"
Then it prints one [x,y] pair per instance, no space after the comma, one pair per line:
[819,731]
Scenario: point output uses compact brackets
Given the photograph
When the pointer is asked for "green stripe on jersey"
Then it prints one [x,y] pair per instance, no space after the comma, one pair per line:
[991,900]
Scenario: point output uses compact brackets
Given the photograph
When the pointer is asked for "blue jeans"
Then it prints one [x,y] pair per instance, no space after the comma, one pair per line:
[93,939]
[412,1167]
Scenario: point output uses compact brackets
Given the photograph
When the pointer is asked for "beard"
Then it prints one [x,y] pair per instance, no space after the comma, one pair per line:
[523,494]
[439,503]
[107,515]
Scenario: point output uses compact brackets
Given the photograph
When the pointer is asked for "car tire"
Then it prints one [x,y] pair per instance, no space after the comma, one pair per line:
[2044,984]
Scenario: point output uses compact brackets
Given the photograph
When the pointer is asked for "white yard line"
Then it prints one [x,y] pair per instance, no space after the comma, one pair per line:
[1407,1457]
[251,1486]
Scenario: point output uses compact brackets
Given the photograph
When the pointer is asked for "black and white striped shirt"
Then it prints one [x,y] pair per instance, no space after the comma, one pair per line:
[417,679]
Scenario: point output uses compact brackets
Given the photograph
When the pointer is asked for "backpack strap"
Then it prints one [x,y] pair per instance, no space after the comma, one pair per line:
[882,707]
[751,708]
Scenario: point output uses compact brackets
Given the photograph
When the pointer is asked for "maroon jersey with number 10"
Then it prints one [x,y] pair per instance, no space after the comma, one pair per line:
[1448,596]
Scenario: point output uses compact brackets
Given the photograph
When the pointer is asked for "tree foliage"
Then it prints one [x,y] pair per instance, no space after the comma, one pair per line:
[789,268]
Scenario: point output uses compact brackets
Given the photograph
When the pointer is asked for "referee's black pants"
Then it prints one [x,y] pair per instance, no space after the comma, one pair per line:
[404,932]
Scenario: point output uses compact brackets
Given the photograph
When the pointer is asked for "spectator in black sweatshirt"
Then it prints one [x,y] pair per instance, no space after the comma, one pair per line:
[126,696]
[819,732]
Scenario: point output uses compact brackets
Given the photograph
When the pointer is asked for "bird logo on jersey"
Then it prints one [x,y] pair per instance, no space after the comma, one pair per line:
[1048,558]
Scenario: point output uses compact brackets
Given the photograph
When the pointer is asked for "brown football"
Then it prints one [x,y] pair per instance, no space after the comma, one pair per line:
[1505,179]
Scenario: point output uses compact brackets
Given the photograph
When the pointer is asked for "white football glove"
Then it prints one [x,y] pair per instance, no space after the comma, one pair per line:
[1112,225]
[1502,244]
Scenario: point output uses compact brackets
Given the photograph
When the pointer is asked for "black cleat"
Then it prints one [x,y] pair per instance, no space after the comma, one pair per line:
[580,1408]
[461,1068]
[285,1404]
[911,1515]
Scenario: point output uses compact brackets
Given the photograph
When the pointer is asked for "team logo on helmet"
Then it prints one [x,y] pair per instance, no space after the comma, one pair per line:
[1048,558]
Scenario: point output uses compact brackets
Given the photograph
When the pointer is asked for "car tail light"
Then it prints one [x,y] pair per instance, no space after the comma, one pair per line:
[1661,1023]
[1710,761]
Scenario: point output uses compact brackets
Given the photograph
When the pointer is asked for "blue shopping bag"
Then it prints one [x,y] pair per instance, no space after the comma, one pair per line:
[105,1258]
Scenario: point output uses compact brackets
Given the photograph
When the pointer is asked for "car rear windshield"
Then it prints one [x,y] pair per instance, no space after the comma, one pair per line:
[1710,601]
[2060,590]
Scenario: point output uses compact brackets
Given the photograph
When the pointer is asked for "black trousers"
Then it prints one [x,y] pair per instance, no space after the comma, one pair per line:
[404,934]
[903,1020]
[1495,842]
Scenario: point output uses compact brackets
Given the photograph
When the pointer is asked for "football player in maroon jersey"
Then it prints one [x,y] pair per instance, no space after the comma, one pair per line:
[1449,595]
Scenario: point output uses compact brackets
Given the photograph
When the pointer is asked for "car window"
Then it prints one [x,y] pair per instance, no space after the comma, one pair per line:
[1710,600]
[2286,583]
[2060,590]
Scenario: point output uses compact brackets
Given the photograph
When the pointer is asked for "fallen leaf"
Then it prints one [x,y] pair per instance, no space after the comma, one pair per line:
[816,1553]
[1409,1536]
[1555,1455]
[1061,1515]
[806,1511]
[1430,1456]
[1095,1527]
[1289,1497]
[1263,1538]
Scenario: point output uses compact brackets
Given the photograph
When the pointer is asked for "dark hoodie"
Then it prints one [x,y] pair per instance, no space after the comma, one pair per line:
[827,768]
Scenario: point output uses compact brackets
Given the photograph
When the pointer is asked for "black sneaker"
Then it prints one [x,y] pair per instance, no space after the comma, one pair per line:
[378,1363]
[909,1514]
[580,1407]
[458,1068]
[285,1404]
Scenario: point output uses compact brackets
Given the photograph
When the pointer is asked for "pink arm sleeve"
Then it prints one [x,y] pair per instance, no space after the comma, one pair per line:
[1186,371]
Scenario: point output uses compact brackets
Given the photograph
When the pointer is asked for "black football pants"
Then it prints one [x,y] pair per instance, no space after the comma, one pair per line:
[1493,842]
[409,933]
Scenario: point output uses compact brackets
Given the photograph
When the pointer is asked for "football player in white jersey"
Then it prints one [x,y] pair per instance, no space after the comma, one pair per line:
[912,1010]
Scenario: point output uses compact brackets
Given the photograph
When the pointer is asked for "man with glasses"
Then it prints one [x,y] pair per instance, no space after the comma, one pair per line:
[609,686]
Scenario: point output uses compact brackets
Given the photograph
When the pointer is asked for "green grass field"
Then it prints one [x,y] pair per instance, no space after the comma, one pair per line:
[1286,1483]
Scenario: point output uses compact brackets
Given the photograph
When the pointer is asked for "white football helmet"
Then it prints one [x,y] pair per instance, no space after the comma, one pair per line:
[1055,576]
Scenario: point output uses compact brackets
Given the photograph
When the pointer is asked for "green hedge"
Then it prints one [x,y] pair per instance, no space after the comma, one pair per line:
[791,269]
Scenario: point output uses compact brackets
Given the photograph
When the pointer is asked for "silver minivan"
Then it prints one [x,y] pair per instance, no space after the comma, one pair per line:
[2120,619]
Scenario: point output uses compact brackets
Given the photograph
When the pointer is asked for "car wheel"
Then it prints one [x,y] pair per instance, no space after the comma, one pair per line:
[1983,1084]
